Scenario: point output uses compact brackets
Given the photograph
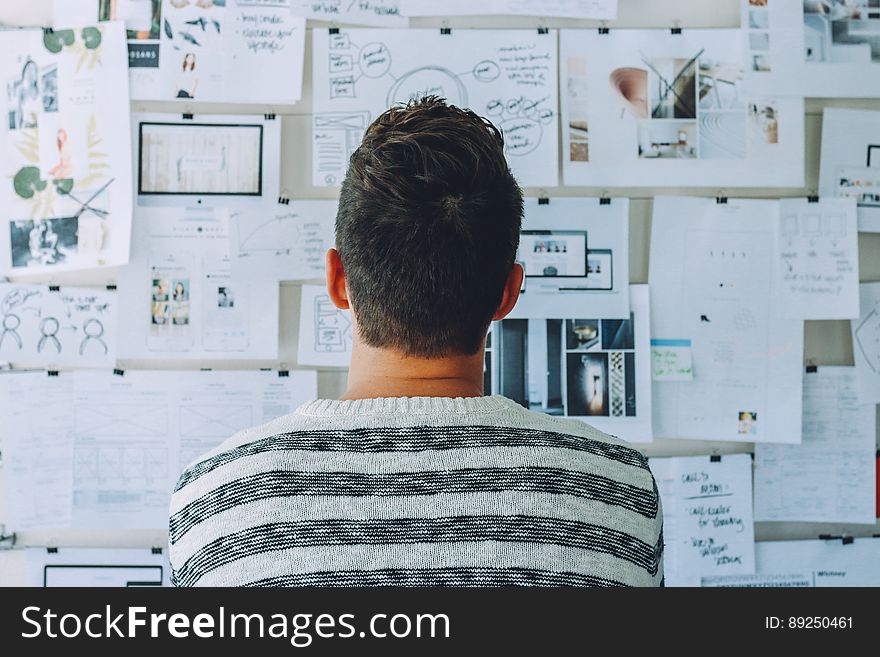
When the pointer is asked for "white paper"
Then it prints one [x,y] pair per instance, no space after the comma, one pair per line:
[229,161]
[105,450]
[376,13]
[509,76]
[37,441]
[818,563]
[866,343]
[596,9]
[603,289]
[672,360]
[850,162]
[707,517]
[97,567]
[325,332]
[711,276]
[237,51]
[180,297]
[831,475]
[817,265]
[813,48]
[69,326]
[597,370]
[65,161]
[282,242]
[650,108]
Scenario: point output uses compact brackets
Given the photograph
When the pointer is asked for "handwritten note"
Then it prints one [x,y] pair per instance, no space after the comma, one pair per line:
[671,360]
[707,516]
[817,268]
[266,53]
[377,13]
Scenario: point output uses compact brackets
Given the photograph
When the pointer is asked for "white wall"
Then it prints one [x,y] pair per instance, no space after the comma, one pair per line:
[827,343]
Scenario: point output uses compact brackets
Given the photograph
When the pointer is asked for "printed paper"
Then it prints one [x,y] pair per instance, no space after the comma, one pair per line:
[596,9]
[325,332]
[97,567]
[377,13]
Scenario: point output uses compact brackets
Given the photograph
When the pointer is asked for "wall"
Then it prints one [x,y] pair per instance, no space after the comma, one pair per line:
[827,342]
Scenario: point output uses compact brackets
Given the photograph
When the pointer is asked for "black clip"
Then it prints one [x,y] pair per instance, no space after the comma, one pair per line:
[604,201]
[52,550]
[269,117]
[265,369]
[675,30]
[603,30]
[204,369]
[54,288]
[812,199]
[283,373]
[715,458]
[111,287]
[7,540]
[543,200]
[445,30]
[333,30]
[118,372]
[156,550]
[52,372]
[721,200]
[48,30]
[847,540]
[187,116]
[543,30]
[812,369]
[283,200]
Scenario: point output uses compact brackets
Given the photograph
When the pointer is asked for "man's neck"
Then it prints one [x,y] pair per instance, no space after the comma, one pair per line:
[386,373]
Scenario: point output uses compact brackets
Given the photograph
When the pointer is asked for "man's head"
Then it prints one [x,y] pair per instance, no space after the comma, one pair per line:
[427,231]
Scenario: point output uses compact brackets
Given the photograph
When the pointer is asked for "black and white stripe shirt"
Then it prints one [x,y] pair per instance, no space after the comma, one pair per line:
[417,492]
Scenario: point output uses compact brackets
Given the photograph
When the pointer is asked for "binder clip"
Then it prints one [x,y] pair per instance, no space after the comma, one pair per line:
[52,372]
[111,287]
[118,372]
[543,200]
[676,28]
[715,458]
[333,30]
[7,541]
[813,198]
[156,550]
[543,30]
[52,550]
[54,288]
[812,368]
[186,116]
[604,200]
[284,199]
[269,117]
[604,28]
[721,200]
[283,373]
[445,31]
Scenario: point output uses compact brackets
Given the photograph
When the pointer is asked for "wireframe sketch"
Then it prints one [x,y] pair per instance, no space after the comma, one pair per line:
[332,327]
[505,75]
[214,420]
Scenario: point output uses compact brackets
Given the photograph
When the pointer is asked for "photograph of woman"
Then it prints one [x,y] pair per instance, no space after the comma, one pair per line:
[187,81]
[25,102]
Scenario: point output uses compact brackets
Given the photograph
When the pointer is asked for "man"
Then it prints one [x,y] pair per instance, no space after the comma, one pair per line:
[414,477]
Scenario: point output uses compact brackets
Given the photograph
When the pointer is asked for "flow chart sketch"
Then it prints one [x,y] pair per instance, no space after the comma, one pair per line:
[814,48]
[656,107]
[509,76]
[817,268]
[850,162]
[831,475]
[866,342]
[575,253]
[709,272]
[54,326]
[181,296]
[597,370]
[595,9]
[325,332]
[97,567]
[64,160]
[375,13]
[283,242]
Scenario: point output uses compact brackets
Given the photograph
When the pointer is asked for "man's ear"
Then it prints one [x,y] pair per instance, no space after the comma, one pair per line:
[511,292]
[336,287]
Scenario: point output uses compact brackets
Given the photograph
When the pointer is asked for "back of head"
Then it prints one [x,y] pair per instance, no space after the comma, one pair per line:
[427,229]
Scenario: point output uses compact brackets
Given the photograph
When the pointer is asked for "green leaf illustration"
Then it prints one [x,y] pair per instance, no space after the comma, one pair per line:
[55,40]
[91,37]
[27,182]
[63,185]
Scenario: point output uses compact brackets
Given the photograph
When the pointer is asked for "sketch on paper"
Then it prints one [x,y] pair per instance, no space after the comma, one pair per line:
[48,326]
[325,332]
[332,327]
[377,13]
[66,160]
[505,75]
[651,105]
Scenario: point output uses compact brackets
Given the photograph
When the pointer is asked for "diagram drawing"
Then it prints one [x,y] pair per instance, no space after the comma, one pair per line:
[120,419]
[214,420]
[332,327]
[283,234]
[505,75]
[867,338]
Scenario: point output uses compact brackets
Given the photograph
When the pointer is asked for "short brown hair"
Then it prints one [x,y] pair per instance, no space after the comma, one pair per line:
[428,228]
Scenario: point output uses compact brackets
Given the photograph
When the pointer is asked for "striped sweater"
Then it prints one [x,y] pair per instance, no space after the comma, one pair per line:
[417,492]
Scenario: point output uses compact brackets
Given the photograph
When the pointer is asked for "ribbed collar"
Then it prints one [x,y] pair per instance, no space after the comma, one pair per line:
[406,405]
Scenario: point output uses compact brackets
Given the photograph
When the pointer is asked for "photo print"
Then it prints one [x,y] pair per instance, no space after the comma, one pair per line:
[142,20]
[657,104]
[43,242]
[842,31]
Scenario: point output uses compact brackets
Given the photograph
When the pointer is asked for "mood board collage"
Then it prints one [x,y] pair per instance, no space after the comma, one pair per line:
[186,214]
